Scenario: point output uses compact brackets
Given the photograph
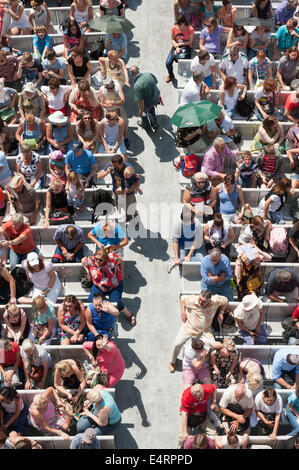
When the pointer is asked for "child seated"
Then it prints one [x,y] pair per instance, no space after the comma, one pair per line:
[57,166]
[131,178]
[74,191]
[246,170]
[209,10]
[41,42]
[17,324]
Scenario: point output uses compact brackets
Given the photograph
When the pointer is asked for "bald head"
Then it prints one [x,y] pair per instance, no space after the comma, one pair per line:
[240,391]
[134,71]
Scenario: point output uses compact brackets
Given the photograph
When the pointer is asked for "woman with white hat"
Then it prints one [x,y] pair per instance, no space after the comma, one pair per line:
[44,278]
[59,132]
[56,95]
[249,316]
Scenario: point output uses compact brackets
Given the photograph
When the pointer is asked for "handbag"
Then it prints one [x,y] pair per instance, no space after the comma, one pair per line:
[245,108]
[36,373]
[237,138]
[196,419]
[254,284]
[259,82]
[184,54]
[32,143]
[265,429]
[7,114]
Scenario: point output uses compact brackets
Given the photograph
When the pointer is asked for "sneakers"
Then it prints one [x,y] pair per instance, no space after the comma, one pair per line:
[171,368]
[171,265]
[155,128]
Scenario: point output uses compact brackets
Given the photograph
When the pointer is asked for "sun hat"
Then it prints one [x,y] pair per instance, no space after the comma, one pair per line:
[58,118]
[56,155]
[15,181]
[249,302]
[30,87]
[32,259]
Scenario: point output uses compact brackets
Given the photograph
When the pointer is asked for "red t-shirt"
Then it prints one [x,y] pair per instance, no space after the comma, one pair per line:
[191,405]
[180,36]
[295,315]
[27,245]
[10,356]
[291,102]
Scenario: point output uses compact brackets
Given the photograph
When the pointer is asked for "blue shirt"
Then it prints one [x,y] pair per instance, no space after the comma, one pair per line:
[117,44]
[108,400]
[280,363]
[223,266]
[282,15]
[5,171]
[285,40]
[118,234]
[294,400]
[41,44]
[80,164]
[58,65]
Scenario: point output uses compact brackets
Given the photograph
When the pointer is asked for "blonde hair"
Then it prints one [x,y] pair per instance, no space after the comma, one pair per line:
[86,2]
[11,308]
[95,396]
[39,401]
[73,177]
[113,54]
[254,380]
[56,184]
[39,302]
[30,117]
[129,171]
[229,343]
[63,368]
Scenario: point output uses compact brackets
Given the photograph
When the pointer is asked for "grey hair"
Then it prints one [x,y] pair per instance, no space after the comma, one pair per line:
[198,75]
[17,219]
[207,294]
[283,275]
[134,70]
[25,147]
[215,253]
[219,141]
[27,344]
[200,176]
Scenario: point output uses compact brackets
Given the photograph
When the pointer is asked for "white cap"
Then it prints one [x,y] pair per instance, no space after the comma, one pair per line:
[33,259]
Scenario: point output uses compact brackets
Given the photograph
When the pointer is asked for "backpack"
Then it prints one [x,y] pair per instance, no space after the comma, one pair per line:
[97,49]
[23,286]
[59,218]
[245,108]
[85,282]
[189,164]
[294,210]
[279,245]
[102,204]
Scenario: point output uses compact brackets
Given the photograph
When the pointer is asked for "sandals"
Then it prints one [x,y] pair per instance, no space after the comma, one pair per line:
[131,319]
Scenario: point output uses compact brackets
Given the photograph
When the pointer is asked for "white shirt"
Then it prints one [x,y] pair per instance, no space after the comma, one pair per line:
[227,125]
[229,398]
[56,102]
[235,69]
[260,405]
[273,206]
[189,355]
[39,279]
[191,92]
[195,65]
[249,318]
[227,446]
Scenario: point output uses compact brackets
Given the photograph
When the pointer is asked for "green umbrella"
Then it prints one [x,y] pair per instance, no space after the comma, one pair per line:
[195,114]
[111,24]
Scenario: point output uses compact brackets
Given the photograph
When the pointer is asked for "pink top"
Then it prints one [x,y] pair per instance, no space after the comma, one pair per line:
[106,358]
[213,163]
[49,416]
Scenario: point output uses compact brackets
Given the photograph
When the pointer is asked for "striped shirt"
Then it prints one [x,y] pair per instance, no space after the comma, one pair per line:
[8,69]
[269,164]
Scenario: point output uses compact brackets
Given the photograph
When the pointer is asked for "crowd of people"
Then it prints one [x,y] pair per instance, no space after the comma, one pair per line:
[227,397]
[66,113]
[67,116]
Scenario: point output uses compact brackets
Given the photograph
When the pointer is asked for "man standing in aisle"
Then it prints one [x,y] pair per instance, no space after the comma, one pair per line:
[147,94]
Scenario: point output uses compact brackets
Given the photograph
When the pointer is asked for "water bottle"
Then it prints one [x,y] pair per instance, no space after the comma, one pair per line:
[185,76]
[86,365]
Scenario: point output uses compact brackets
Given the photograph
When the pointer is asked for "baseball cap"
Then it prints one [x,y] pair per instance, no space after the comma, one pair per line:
[32,259]
[77,145]
[89,435]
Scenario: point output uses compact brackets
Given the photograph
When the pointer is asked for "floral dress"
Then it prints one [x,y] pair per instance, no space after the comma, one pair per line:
[72,321]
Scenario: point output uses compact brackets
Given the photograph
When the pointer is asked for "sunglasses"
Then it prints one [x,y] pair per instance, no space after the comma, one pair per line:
[75,55]
[100,260]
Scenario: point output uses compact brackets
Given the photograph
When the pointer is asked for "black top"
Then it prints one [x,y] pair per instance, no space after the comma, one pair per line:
[79,71]
[58,201]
